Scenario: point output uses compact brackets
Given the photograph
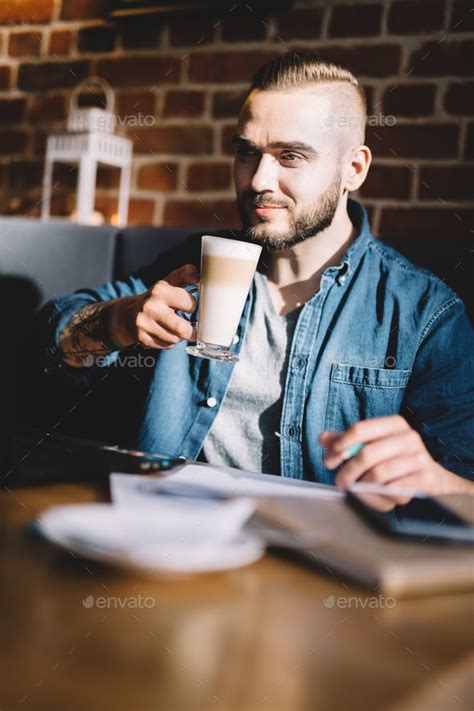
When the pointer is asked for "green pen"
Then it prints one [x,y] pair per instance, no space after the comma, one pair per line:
[352,451]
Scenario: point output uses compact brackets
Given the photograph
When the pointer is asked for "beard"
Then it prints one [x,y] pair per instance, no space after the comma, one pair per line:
[313,221]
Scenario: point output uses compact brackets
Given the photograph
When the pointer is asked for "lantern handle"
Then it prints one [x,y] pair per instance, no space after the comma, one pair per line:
[95,81]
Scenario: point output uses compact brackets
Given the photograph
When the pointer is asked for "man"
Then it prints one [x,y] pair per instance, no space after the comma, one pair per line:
[344,345]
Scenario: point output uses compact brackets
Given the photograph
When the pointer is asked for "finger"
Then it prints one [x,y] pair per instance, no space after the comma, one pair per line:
[381,473]
[377,451]
[187,274]
[173,296]
[152,334]
[414,483]
[328,437]
[367,431]
[177,325]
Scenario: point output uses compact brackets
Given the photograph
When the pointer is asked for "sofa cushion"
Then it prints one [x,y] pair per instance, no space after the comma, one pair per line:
[47,259]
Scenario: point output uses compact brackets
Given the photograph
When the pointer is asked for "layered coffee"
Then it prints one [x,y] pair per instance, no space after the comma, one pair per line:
[227,270]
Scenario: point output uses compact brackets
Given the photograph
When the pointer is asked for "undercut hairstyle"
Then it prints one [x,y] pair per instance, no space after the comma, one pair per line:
[306,69]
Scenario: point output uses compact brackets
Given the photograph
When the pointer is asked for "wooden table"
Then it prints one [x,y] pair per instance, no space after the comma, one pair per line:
[256,638]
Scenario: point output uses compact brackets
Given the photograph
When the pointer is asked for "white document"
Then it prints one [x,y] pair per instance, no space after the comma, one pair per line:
[205,481]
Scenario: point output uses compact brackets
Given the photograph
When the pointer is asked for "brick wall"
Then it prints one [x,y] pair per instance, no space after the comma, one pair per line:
[189,75]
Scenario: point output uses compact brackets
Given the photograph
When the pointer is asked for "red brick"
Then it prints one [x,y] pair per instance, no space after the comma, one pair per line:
[299,24]
[183,103]
[369,98]
[469,149]
[227,146]
[459,99]
[426,223]
[39,140]
[375,60]
[141,32]
[11,110]
[5,76]
[227,103]
[135,103]
[47,109]
[60,42]
[226,66]
[411,18]
[96,39]
[193,30]
[82,9]
[446,182]
[173,139]
[355,21]
[212,213]
[140,211]
[242,24]
[414,141]
[446,58]
[409,99]
[51,75]
[462,17]
[12,141]
[208,176]
[25,11]
[158,176]
[139,71]
[387,181]
[25,44]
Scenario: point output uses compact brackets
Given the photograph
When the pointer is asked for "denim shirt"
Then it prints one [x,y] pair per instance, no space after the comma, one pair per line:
[380,337]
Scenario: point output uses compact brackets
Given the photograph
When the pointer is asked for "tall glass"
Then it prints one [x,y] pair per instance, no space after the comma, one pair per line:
[227,270]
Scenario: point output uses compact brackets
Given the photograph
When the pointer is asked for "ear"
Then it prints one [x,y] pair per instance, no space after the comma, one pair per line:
[357,168]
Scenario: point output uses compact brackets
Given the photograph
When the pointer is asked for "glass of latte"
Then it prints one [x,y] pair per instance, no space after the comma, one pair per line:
[227,269]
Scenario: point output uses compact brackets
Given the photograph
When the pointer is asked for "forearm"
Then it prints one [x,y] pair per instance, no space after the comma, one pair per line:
[96,330]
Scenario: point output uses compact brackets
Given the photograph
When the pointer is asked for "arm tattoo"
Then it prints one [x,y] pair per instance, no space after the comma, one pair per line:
[88,333]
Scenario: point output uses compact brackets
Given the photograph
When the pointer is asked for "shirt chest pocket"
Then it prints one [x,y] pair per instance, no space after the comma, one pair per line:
[358,393]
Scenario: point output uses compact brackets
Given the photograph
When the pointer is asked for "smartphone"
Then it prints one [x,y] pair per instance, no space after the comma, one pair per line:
[422,518]
[59,458]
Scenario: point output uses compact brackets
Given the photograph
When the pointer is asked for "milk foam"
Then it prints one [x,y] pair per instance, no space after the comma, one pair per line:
[232,248]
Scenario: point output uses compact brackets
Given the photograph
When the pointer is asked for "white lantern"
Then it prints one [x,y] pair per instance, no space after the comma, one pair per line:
[88,141]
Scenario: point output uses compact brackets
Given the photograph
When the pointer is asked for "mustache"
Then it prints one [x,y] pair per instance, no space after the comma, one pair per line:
[260,200]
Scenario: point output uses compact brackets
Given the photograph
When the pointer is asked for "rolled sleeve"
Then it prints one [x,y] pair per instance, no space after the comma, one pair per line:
[57,313]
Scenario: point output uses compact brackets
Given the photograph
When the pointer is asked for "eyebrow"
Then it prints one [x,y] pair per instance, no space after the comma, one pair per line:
[290,145]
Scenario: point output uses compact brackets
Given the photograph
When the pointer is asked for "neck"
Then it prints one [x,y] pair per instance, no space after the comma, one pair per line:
[305,262]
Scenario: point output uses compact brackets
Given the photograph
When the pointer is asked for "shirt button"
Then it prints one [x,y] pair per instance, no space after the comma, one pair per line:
[291,431]
[298,362]
[235,339]
[211,402]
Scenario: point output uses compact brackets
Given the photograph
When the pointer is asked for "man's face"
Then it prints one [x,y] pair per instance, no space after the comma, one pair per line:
[287,166]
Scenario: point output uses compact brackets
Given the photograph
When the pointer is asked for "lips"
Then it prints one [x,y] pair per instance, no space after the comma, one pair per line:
[265,209]
[266,206]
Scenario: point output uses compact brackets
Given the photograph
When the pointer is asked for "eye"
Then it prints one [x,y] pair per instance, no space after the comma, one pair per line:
[289,157]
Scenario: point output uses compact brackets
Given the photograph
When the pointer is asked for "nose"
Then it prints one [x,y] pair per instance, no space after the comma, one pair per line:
[266,175]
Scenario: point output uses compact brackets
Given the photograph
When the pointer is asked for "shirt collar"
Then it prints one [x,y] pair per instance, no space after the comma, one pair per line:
[358,216]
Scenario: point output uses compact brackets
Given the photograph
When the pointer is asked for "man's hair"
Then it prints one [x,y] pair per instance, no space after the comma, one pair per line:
[302,69]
